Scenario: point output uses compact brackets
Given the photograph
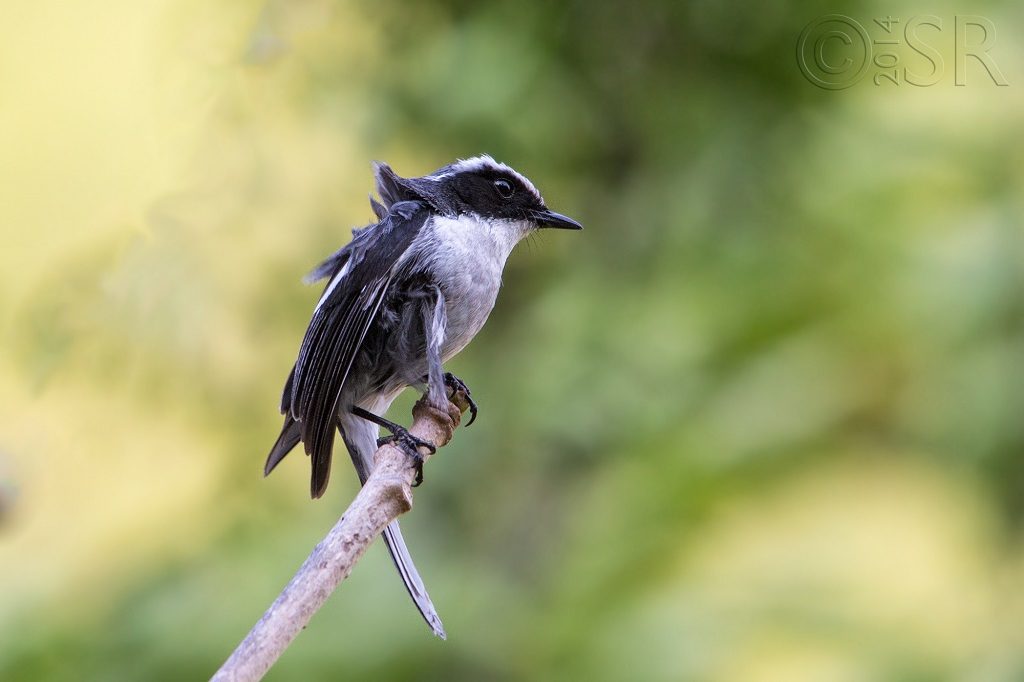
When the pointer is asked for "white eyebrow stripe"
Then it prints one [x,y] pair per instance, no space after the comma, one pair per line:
[484,162]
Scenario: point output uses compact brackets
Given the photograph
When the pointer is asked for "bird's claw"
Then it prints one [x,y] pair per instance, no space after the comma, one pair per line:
[411,445]
[461,390]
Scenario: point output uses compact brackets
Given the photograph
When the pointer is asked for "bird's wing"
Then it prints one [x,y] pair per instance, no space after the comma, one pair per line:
[346,310]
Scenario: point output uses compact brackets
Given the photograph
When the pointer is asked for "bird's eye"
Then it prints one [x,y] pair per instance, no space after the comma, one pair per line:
[503,188]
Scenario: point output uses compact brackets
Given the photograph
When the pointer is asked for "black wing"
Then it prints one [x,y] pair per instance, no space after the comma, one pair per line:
[363,272]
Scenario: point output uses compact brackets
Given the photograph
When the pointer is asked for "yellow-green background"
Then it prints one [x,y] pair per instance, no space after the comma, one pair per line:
[762,420]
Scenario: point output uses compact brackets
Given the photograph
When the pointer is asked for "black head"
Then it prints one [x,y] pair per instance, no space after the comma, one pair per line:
[479,186]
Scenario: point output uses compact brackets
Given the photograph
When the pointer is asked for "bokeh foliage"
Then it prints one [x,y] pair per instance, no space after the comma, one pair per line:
[760,421]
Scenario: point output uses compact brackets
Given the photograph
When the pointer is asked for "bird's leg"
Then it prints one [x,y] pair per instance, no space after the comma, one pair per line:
[435,322]
[438,382]
[457,386]
[401,437]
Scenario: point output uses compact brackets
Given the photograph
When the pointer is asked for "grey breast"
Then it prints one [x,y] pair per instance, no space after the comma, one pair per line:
[467,265]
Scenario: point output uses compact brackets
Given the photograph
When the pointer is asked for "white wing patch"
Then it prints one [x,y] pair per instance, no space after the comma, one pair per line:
[334,282]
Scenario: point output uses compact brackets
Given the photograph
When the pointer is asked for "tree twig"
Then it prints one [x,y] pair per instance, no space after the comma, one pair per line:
[386,495]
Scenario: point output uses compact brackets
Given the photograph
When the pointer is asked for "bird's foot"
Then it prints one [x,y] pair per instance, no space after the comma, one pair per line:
[401,437]
[411,445]
[460,389]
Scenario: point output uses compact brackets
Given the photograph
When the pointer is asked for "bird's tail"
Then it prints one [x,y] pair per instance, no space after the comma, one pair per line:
[360,438]
[413,583]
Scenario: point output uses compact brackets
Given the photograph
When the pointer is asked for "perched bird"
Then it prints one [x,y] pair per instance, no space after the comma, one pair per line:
[404,296]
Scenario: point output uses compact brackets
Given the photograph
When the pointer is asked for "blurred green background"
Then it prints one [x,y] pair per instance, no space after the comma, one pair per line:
[762,420]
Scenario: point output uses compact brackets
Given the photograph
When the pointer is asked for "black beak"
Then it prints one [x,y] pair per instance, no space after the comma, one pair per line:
[546,218]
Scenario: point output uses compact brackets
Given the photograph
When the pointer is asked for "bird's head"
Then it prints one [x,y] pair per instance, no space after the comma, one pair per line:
[479,186]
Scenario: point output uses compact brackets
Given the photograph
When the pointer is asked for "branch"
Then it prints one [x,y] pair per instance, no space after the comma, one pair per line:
[386,495]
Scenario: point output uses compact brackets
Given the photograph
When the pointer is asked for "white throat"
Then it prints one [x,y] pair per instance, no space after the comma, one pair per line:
[481,238]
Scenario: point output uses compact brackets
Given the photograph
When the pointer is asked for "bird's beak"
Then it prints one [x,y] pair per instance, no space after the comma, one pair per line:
[547,218]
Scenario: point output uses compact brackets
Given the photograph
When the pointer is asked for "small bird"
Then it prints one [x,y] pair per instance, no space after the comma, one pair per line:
[403,297]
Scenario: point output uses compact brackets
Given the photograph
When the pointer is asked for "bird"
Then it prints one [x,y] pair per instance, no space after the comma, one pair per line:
[404,296]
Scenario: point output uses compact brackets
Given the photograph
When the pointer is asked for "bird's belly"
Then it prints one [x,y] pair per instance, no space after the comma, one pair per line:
[469,299]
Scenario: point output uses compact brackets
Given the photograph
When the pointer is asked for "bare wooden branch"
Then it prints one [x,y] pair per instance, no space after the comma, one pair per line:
[386,495]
